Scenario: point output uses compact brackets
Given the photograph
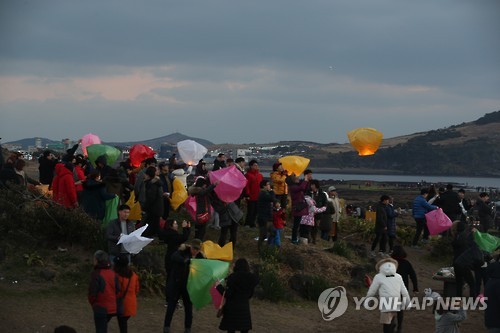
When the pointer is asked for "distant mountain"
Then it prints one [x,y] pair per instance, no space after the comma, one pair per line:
[170,139]
[25,143]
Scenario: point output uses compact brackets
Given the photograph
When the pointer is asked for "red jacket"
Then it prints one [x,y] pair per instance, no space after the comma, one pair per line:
[130,299]
[279,218]
[80,173]
[252,189]
[63,187]
[102,290]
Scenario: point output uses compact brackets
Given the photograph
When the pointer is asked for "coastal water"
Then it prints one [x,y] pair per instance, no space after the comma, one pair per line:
[472,182]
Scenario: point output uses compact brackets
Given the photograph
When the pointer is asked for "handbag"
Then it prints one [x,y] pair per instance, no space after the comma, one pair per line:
[120,304]
[203,218]
[220,311]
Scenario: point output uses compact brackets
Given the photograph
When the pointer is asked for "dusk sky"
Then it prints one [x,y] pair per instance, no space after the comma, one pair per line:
[245,71]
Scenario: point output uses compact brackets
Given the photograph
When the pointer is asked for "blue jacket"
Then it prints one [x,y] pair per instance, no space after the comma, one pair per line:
[421,206]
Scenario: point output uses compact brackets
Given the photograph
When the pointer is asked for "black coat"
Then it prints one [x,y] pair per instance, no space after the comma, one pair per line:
[94,198]
[449,201]
[492,293]
[239,290]
[179,270]
[46,170]
[173,239]
[154,197]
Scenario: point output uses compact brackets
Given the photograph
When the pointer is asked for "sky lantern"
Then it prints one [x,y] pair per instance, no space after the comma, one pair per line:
[97,150]
[202,275]
[365,140]
[294,164]
[179,194]
[191,151]
[88,140]
[215,251]
[139,153]
[231,183]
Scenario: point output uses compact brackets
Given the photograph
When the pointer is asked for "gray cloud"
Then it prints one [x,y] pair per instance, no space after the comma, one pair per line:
[251,71]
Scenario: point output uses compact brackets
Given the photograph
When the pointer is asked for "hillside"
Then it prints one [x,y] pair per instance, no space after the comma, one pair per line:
[468,149]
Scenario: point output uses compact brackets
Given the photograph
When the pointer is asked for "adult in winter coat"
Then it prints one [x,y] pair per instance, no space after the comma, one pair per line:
[154,202]
[177,283]
[420,208]
[405,269]
[238,291]
[173,239]
[466,257]
[47,164]
[103,289]
[278,181]
[486,212]
[252,190]
[63,186]
[381,226]
[94,196]
[201,191]
[297,189]
[115,229]
[492,294]
[128,283]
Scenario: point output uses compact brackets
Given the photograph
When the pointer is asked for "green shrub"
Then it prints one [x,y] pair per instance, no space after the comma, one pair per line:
[316,286]
[152,283]
[272,284]
[342,249]
[30,218]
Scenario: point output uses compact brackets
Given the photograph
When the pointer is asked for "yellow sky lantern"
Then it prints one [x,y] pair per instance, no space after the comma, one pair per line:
[294,164]
[365,140]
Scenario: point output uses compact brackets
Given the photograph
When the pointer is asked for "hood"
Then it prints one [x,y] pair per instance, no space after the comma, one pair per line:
[62,170]
[178,172]
[387,266]
[102,159]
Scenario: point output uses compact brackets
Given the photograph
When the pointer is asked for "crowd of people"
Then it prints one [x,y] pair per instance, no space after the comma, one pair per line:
[77,182]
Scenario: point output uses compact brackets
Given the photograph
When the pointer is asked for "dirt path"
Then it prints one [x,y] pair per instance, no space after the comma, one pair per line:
[42,311]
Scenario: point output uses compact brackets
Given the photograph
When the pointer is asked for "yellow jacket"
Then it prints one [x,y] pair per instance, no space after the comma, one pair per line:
[279,184]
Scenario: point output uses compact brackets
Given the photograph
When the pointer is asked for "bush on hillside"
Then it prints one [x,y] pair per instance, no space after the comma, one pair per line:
[29,217]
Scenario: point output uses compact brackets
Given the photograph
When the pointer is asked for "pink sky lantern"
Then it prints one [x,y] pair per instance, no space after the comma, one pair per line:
[231,183]
[139,153]
[88,140]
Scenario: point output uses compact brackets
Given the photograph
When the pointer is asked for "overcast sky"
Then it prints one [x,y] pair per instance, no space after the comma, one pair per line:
[245,71]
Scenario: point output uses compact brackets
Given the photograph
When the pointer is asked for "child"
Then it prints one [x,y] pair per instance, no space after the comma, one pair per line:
[405,269]
[307,221]
[447,321]
[129,288]
[390,286]
[279,221]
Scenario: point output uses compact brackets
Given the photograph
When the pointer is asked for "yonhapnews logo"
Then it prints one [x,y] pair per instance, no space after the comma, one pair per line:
[333,302]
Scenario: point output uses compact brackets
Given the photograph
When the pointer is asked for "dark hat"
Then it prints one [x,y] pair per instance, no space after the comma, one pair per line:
[276,166]
[121,260]
[195,244]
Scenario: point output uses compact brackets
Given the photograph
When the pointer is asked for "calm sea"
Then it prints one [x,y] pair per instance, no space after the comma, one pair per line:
[466,181]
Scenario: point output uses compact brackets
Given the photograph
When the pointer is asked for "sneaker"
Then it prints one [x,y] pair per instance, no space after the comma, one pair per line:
[373,254]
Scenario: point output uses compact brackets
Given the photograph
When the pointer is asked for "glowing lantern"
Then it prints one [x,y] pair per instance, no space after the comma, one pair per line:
[139,153]
[88,140]
[365,140]
[294,164]
[191,151]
